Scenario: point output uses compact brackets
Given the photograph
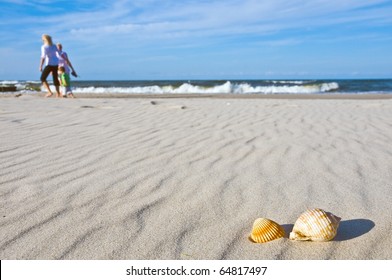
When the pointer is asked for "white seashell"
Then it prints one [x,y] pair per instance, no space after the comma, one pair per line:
[265,230]
[315,225]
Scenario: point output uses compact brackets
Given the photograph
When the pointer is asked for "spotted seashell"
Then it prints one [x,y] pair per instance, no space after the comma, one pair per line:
[315,225]
[265,230]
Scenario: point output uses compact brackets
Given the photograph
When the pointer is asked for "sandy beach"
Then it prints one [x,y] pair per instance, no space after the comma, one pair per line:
[184,178]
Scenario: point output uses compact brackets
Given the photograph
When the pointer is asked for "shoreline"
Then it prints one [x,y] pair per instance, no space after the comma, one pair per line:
[216,96]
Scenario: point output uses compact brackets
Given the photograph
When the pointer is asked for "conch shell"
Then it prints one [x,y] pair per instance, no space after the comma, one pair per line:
[315,225]
[265,230]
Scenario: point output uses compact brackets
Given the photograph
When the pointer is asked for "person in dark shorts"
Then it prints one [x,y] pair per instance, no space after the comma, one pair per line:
[49,57]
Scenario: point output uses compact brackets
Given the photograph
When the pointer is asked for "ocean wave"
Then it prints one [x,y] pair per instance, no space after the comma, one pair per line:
[376,86]
[5,82]
[291,82]
[226,88]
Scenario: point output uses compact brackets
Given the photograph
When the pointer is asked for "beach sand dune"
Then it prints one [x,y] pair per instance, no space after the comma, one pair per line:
[185,178]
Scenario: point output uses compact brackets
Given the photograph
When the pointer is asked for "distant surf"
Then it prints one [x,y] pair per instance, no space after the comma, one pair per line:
[218,87]
[225,88]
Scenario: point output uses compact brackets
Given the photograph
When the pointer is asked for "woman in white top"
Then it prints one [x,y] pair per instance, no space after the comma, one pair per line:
[49,57]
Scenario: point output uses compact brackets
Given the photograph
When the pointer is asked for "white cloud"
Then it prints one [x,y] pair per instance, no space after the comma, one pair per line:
[150,19]
[221,18]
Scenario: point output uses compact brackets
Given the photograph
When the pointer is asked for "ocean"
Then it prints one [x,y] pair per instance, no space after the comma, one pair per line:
[373,86]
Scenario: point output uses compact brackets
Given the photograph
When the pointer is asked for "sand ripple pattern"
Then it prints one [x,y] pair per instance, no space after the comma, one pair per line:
[185,178]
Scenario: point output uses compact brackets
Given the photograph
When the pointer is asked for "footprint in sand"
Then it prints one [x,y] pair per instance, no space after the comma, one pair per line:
[96,107]
[170,106]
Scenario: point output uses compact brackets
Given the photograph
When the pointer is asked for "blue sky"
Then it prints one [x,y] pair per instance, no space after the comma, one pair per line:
[200,39]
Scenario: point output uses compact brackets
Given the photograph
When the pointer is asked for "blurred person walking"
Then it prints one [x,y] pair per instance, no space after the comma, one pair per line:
[64,60]
[49,53]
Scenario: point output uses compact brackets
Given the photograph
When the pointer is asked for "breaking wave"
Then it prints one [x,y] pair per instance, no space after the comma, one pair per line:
[225,88]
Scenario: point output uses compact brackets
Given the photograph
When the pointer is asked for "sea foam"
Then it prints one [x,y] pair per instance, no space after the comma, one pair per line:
[225,88]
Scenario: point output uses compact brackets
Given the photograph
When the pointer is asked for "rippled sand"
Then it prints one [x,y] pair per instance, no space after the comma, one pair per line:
[185,178]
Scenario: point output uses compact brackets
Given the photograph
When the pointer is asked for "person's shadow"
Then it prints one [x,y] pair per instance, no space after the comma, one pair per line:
[347,230]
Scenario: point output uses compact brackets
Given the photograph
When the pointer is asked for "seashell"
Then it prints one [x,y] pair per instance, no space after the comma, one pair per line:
[315,225]
[265,230]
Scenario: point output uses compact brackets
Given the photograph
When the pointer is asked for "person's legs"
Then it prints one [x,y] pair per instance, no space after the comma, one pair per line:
[56,80]
[44,75]
[63,91]
[68,91]
[70,94]
[49,94]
